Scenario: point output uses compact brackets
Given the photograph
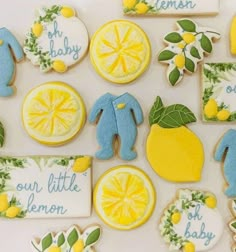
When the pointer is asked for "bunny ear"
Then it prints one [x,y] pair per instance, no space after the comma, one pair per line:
[91,235]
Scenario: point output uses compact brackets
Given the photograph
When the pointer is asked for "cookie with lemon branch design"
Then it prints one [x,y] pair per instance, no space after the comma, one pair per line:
[72,240]
[183,162]
[186,47]
[192,222]
[53,113]
[120,51]
[57,39]
[124,197]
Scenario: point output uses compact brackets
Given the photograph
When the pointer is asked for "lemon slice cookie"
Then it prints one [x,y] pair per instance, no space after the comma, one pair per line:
[120,51]
[53,113]
[124,197]
[57,39]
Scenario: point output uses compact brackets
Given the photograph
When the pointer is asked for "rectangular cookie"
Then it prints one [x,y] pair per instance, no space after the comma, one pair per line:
[45,186]
[171,7]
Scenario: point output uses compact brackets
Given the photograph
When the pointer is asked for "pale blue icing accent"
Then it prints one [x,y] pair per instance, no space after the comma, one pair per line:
[174,4]
[7,65]
[228,142]
[113,121]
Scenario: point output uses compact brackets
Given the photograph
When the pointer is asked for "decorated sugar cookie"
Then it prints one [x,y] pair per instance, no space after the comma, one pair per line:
[170,7]
[71,240]
[45,186]
[186,47]
[53,113]
[233,36]
[57,39]
[232,224]
[116,116]
[10,51]
[124,197]
[192,222]
[183,162]
[120,51]
[219,92]
[226,150]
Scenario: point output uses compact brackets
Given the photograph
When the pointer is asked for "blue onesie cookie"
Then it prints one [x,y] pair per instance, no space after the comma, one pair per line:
[118,116]
[227,146]
[9,49]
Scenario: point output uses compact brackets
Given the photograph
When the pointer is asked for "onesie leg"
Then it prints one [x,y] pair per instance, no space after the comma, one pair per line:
[105,141]
[231,191]
[6,91]
[127,144]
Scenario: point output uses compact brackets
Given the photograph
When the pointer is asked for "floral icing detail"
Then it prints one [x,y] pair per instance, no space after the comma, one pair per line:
[184,223]
[232,224]
[186,47]
[57,39]
[219,92]
[72,240]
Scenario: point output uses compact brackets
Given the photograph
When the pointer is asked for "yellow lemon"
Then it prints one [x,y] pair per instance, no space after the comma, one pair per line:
[176,217]
[211,109]
[141,8]
[78,246]
[232,36]
[81,164]
[179,60]
[12,212]
[183,161]
[67,12]
[189,247]
[3,202]
[59,66]
[37,29]
[211,202]
[129,3]
[188,38]
[53,113]
[223,115]
[120,51]
[124,197]
[54,249]
[181,45]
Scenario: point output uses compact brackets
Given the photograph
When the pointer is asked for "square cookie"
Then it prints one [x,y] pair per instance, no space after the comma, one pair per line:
[219,92]
[45,186]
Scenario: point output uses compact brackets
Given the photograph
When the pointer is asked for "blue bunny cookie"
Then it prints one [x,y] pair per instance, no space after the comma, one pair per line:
[118,116]
[9,49]
[227,147]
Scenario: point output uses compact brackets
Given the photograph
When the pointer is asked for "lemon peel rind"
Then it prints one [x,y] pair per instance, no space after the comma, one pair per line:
[82,119]
[125,79]
[151,191]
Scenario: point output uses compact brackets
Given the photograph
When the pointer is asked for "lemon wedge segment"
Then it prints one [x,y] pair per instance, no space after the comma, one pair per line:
[120,51]
[53,113]
[124,197]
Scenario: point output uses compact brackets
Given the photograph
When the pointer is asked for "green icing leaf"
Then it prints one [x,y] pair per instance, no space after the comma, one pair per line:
[187,25]
[2,135]
[93,237]
[61,240]
[47,242]
[173,37]
[156,111]
[189,65]
[73,237]
[233,225]
[195,53]
[174,76]
[206,44]
[175,116]
[166,55]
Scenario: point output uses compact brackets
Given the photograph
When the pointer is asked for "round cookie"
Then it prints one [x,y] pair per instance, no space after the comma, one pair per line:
[53,113]
[120,51]
[192,222]
[174,152]
[57,39]
[124,197]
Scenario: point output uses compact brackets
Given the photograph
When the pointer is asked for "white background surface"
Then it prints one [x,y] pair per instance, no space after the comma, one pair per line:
[17,16]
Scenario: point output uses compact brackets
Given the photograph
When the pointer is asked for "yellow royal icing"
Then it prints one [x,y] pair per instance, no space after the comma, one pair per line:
[180,61]
[37,29]
[233,36]
[121,105]
[1,42]
[188,38]
[82,164]
[67,12]
[176,154]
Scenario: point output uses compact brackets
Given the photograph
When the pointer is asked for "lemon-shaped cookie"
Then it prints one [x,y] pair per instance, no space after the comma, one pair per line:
[120,51]
[124,197]
[53,113]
